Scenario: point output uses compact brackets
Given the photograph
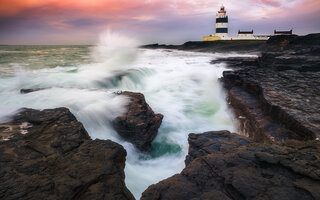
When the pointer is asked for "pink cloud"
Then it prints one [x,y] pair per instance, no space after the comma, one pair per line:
[157,19]
[270,3]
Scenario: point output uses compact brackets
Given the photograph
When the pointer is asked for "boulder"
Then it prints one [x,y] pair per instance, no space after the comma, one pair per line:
[228,166]
[49,155]
[139,124]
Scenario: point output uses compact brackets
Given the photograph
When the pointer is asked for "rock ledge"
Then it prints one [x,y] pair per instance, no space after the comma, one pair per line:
[228,166]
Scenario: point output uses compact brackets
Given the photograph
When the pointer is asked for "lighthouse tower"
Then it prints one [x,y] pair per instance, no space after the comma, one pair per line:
[222,24]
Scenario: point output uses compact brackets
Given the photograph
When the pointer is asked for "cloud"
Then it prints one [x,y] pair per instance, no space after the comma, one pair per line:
[270,3]
[151,20]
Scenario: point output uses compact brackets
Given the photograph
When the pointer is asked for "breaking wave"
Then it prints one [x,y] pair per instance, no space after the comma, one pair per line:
[183,86]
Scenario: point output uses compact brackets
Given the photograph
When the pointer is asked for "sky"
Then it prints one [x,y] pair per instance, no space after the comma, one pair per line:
[150,21]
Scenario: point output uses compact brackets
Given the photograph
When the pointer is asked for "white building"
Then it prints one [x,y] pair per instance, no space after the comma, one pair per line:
[245,35]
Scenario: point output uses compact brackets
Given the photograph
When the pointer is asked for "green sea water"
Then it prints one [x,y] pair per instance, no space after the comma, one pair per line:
[39,56]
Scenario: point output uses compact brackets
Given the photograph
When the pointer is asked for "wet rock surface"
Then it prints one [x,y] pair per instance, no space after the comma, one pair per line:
[228,166]
[139,125]
[49,155]
[277,96]
[29,90]
[211,142]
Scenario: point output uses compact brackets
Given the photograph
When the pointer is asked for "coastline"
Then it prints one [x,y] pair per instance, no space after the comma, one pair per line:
[269,97]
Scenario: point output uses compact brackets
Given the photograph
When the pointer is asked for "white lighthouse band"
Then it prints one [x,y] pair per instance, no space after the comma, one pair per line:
[221,25]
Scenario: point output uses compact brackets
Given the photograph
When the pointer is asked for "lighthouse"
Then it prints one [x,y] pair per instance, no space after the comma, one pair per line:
[222,30]
[221,27]
[222,23]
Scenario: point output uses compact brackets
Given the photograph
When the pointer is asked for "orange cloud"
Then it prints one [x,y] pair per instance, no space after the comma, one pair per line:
[14,7]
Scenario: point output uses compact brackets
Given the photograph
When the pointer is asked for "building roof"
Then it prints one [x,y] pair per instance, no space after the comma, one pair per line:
[245,32]
[283,32]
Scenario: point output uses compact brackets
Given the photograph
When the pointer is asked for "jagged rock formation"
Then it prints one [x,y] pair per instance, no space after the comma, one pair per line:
[139,124]
[49,155]
[228,166]
[276,97]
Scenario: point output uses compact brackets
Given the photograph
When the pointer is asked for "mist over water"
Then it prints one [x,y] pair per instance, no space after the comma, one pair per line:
[183,86]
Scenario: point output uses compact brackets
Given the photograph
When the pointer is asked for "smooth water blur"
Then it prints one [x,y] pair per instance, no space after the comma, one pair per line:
[183,86]
[37,57]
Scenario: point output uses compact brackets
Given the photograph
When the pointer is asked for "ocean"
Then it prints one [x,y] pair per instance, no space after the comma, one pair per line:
[183,86]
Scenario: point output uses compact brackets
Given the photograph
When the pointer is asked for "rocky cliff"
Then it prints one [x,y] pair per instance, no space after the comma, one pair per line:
[277,96]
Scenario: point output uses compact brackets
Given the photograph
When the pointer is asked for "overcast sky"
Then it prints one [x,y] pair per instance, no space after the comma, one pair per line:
[151,21]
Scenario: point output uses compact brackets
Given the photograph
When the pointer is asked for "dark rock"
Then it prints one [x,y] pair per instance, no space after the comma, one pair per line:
[139,125]
[235,61]
[277,97]
[280,42]
[294,42]
[49,155]
[156,46]
[215,46]
[211,142]
[234,168]
[26,91]
[279,105]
